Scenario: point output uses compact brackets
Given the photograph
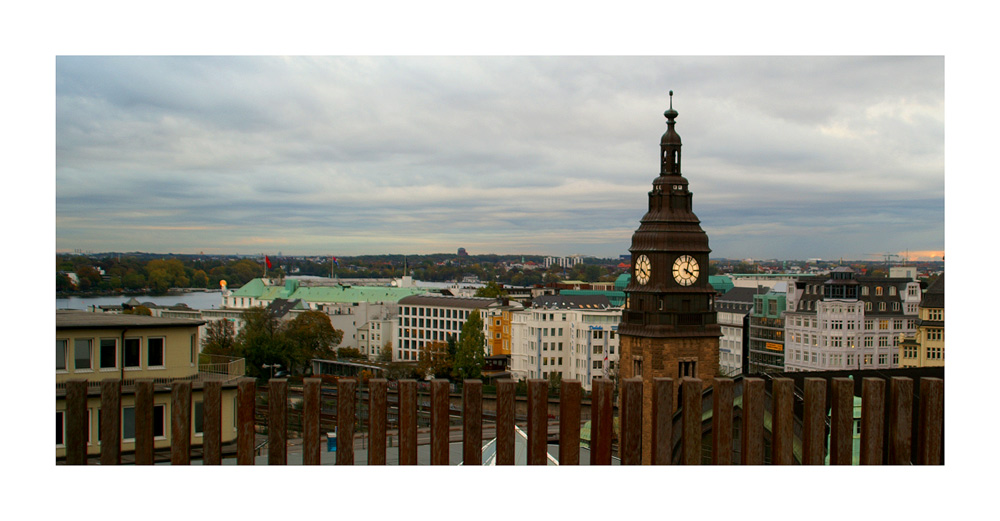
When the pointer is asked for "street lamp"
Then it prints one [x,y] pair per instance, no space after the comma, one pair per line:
[271,366]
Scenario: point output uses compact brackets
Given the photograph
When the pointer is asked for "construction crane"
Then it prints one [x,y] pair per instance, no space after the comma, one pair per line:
[888,258]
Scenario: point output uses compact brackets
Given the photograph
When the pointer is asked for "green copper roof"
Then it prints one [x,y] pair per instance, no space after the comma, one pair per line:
[721,283]
[258,290]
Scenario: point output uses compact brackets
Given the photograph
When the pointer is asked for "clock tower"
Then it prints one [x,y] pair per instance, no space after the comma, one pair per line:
[668,327]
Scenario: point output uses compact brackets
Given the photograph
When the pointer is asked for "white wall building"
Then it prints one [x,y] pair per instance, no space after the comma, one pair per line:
[433,318]
[857,328]
[573,336]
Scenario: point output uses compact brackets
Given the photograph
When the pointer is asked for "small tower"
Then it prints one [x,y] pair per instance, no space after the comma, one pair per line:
[668,326]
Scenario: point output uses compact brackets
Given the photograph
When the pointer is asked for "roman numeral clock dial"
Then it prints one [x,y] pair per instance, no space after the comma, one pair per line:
[643,269]
[685,270]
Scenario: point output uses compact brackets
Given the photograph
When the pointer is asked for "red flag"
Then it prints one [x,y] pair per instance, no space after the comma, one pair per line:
[267,260]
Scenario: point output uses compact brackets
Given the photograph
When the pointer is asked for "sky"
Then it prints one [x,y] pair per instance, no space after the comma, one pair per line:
[788,157]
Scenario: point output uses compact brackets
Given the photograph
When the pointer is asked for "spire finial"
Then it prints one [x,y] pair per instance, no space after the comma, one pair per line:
[671,100]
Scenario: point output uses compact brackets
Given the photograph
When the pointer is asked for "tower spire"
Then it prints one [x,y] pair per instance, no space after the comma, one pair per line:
[670,144]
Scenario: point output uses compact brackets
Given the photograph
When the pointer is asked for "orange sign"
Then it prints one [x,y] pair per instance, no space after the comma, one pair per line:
[774,347]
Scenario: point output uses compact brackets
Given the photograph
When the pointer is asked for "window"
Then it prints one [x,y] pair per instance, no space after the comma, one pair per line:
[892,291]
[881,306]
[128,422]
[869,341]
[864,290]
[882,359]
[154,352]
[60,428]
[109,353]
[61,348]
[132,351]
[878,291]
[82,353]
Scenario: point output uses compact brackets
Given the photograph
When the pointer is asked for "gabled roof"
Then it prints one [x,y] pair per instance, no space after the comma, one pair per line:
[744,295]
[934,296]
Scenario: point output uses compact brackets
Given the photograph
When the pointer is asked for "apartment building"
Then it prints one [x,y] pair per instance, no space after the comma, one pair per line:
[572,336]
[845,321]
[733,312]
[925,347]
[433,318]
[100,346]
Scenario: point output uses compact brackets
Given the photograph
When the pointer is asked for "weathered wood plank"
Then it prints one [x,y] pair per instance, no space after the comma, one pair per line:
[722,421]
[630,412]
[601,421]
[690,421]
[246,400]
[900,421]
[813,422]
[538,409]
[377,407]
[662,422]
[781,429]
[440,403]
[570,394]
[277,421]
[180,423]
[841,421]
[472,422]
[407,422]
[872,420]
[143,412]
[211,435]
[311,406]
[76,422]
[930,436]
[752,428]
[111,424]
[346,388]
[505,422]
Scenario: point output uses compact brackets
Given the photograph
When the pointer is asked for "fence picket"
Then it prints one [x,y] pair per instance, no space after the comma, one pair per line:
[76,422]
[752,428]
[311,388]
[180,423]
[472,422]
[630,412]
[538,391]
[900,421]
[277,421]
[407,422]
[872,420]
[661,435]
[111,424]
[841,421]
[569,422]
[601,426]
[722,421]
[345,421]
[781,426]
[246,399]
[505,422]
[813,421]
[931,422]
[211,436]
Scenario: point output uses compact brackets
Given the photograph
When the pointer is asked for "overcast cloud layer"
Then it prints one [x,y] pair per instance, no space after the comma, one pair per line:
[787,157]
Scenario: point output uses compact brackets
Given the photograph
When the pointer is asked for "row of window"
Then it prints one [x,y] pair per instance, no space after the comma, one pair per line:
[416,311]
[841,360]
[89,354]
[837,341]
[128,422]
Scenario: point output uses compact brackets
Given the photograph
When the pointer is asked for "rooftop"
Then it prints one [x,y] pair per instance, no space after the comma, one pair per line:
[71,319]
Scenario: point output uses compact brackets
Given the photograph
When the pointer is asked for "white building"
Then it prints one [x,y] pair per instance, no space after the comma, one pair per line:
[731,309]
[842,321]
[573,336]
[433,318]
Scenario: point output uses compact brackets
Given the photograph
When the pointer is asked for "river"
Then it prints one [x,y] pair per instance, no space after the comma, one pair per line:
[194,300]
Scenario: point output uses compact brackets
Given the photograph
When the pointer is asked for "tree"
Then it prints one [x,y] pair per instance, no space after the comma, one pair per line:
[470,355]
[220,338]
[491,290]
[138,310]
[259,341]
[349,352]
[433,360]
[310,335]
[385,355]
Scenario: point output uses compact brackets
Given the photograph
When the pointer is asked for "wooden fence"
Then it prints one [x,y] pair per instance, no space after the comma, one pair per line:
[816,425]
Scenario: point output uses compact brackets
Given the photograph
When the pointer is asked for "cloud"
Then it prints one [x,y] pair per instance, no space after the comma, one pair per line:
[519,155]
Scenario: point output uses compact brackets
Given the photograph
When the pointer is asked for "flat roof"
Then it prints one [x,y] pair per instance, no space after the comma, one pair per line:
[71,319]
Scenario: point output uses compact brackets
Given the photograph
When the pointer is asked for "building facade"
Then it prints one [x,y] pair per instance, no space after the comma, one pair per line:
[766,347]
[669,327]
[100,346]
[433,318]
[733,310]
[844,321]
[573,337]
[925,347]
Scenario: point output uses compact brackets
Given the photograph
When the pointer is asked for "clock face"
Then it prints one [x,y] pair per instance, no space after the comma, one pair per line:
[643,269]
[685,270]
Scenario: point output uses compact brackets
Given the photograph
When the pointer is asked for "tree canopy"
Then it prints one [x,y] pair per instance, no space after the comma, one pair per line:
[470,355]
